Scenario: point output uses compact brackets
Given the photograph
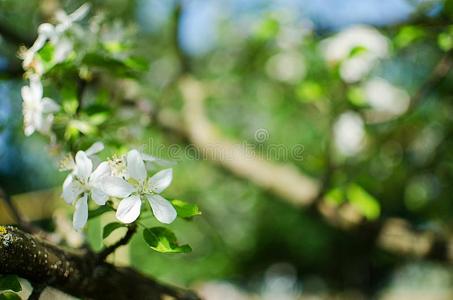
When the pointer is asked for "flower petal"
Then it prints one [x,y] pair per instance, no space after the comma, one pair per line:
[95,148]
[160,181]
[162,209]
[136,166]
[116,187]
[80,217]
[99,196]
[84,166]
[62,49]
[49,106]
[46,30]
[71,189]
[36,88]
[80,12]
[26,94]
[129,209]
[100,172]
[38,44]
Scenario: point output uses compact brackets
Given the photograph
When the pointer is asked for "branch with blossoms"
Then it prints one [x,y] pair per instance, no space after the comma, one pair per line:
[126,183]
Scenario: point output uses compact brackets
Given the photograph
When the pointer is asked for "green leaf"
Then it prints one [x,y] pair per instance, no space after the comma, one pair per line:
[408,35]
[109,228]
[356,51]
[163,240]
[356,97]
[364,202]
[69,99]
[185,210]
[9,296]
[99,211]
[113,65]
[268,29]
[309,91]
[10,282]
[335,196]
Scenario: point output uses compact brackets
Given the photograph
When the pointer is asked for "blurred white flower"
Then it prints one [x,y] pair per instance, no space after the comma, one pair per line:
[36,109]
[82,183]
[29,54]
[384,97]
[349,133]
[65,21]
[54,33]
[138,187]
[370,46]
[287,66]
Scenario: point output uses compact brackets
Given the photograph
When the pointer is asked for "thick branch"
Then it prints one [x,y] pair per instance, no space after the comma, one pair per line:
[76,273]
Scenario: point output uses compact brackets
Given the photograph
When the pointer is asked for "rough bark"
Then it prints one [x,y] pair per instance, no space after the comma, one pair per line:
[77,273]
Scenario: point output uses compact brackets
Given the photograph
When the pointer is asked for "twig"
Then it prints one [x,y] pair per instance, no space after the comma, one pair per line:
[81,86]
[131,230]
[183,60]
[438,73]
[37,291]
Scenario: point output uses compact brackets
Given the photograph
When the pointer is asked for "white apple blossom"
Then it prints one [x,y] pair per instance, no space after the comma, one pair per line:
[36,109]
[139,187]
[337,50]
[54,33]
[68,163]
[349,133]
[83,183]
[383,97]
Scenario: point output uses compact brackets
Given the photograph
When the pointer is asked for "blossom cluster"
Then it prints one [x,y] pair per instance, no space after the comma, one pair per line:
[38,110]
[124,178]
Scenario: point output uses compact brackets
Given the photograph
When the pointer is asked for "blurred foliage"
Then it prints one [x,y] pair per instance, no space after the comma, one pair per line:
[273,73]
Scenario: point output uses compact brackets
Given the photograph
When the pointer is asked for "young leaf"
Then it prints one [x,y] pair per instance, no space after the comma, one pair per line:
[109,228]
[366,203]
[10,282]
[185,210]
[9,296]
[163,240]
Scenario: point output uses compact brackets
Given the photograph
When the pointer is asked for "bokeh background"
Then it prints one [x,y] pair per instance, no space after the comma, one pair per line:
[344,106]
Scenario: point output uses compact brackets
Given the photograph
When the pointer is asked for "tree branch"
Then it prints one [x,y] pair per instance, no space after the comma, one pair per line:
[76,273]
[131,230]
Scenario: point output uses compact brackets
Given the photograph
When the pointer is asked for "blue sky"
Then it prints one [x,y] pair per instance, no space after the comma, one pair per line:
[201,16]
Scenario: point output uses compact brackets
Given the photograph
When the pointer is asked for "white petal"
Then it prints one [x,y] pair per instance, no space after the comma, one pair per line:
[62,49]
[84,166]
[26,94]
[147,157]
[95,148]
[36,88]
[38,44]
[44,124]
[160,181]
[46,30]
[49,106]
[101,171]
[136,166]
[71,190]
[80,13]
[99,196]
[81,213]
[29,129]
[116,187]
[129,209]
[162,209]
